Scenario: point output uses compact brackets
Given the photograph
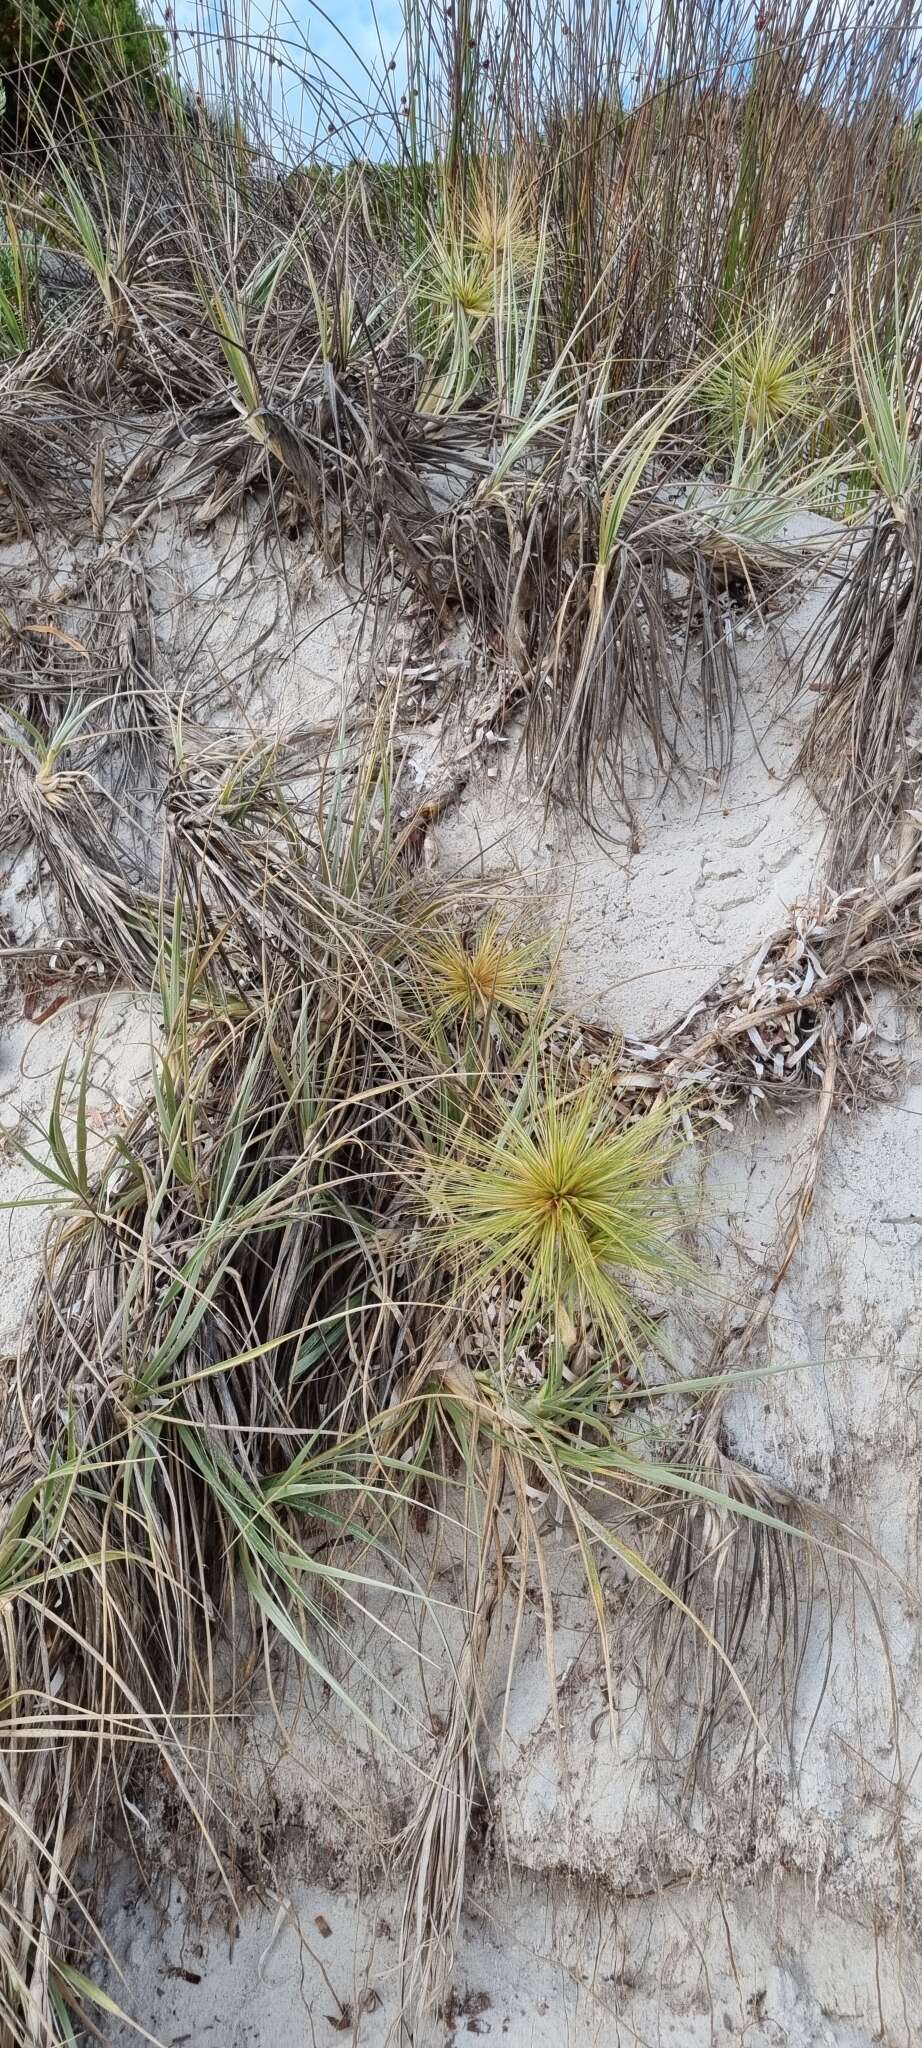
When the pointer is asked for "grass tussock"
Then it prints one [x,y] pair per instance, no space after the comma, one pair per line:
[484,974]
[564,1201]
[492,329]
[234,1384]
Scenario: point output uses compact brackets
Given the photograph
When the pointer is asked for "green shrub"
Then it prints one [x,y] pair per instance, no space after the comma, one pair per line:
[62,52]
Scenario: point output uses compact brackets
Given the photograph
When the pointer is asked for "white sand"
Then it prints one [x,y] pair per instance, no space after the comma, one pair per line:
[780,1909]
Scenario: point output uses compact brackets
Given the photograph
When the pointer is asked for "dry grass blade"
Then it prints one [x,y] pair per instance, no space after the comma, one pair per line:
[859,755]
[864,654]
[42,439]
[76,826]
[434,1846]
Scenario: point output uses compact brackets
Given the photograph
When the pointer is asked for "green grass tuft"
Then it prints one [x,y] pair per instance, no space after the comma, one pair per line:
[567,1202]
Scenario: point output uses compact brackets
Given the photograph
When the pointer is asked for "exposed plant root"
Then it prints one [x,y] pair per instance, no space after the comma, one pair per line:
[764,1030]
[731,1352]
[748,1572]
[726,1568]
[861,751]
[434,1846]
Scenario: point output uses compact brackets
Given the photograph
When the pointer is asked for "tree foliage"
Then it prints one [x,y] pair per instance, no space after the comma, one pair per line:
[61,52]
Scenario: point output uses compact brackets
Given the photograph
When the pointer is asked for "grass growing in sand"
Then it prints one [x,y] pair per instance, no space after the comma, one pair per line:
[546,346]
[235,1370]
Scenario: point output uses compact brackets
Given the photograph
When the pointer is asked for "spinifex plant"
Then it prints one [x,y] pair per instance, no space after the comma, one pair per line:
[483,974]
[765,388]
[567,1203]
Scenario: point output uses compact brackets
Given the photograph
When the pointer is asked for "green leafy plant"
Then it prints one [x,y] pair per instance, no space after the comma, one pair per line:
[765,387]
[102,237]
[20,288]
[567,1203]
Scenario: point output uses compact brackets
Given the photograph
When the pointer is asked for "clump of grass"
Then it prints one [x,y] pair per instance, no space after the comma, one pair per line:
[765,388]
[103,240]
[566,1202]
[864,653]
[483,258]
[216,1269]
[238,1374]
[483,972]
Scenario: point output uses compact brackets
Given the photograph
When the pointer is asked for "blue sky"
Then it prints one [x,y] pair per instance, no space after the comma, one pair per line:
[322,57]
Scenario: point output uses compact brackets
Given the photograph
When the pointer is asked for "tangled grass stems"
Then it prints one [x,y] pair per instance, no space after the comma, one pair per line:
[536,501]
[863,656]
[184,1286]
[75,825]
[43,483]
[233,1383]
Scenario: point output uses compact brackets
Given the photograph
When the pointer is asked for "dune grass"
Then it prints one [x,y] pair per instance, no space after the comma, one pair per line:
[545,337]
[564,1201]
[233,1383]
[492,323]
